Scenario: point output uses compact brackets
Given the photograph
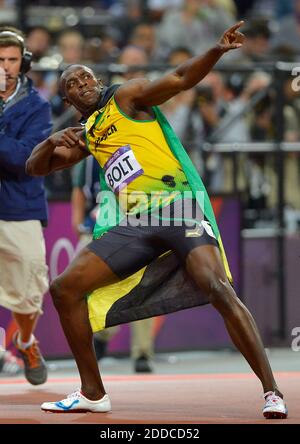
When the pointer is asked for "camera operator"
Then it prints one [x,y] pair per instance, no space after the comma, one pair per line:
[25,120]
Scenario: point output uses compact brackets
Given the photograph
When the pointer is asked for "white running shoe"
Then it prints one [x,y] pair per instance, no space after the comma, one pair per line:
[275,407]
[77,403]
[10,364]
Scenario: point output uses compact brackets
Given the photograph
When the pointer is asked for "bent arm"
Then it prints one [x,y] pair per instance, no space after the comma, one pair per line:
[141,93]
[46,158]
[146,93]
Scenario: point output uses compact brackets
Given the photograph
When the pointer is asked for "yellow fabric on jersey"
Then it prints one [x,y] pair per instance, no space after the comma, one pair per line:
[163,286]
[135,157]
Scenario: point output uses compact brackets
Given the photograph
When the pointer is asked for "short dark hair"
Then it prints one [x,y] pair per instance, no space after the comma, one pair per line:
[10,36]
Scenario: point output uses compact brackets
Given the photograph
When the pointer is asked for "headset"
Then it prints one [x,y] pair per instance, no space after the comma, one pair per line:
[26,56]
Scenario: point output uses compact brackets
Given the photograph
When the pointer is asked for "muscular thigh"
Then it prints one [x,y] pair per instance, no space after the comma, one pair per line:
[127,249]
[187,229]
[86,273]
[119,253]
[205,266]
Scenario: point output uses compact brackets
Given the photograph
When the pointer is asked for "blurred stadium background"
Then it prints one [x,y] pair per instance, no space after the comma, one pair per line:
[240,127]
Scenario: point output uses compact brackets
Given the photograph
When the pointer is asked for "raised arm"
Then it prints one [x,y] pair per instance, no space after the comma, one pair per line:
[142,93]
[61,150]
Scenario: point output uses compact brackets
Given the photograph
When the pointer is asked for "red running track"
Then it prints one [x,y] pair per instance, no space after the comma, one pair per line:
[154,399]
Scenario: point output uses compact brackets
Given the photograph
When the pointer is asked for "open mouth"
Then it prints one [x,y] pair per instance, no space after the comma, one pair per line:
[86,93]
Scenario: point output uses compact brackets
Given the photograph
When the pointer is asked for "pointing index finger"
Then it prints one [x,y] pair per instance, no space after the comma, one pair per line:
[236,26]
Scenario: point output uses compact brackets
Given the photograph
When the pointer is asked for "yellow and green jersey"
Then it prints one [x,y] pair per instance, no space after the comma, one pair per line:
[135,158]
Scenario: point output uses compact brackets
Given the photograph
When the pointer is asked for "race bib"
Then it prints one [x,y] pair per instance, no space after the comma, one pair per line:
[121,169]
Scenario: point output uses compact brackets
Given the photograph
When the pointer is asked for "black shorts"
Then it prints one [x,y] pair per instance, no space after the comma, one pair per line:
[127,248]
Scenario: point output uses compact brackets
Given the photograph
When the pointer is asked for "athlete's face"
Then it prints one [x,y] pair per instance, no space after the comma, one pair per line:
[81,88]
